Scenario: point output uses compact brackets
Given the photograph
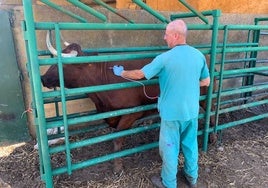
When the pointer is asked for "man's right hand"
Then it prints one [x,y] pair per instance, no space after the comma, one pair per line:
[118,70]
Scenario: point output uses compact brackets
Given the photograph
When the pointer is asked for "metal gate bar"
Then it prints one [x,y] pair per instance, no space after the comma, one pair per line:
[59,8]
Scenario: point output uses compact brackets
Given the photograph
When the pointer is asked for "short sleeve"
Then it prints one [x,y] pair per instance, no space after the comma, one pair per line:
[204,71]
[154,68]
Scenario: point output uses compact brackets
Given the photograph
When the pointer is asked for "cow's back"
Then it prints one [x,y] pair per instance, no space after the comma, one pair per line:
[127,97]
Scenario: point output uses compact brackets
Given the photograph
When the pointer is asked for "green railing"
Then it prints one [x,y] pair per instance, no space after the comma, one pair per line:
[222,98]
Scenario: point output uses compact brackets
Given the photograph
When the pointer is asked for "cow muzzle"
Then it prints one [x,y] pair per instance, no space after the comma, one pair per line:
[49,82]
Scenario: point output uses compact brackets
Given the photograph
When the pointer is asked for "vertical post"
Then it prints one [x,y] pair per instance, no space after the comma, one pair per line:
[215,32]
[23,26]
[63,100]
[37,88]
[217,109]
[248,80]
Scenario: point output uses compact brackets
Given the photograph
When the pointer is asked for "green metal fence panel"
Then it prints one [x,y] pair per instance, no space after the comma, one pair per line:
[222,98]
[249,93]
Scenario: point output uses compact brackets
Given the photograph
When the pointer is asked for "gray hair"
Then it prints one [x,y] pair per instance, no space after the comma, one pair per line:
[178,26]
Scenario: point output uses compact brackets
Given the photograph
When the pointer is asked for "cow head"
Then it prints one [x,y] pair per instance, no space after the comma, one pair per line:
[72,74]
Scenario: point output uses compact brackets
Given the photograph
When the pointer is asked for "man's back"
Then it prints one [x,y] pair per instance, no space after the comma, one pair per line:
[180,70]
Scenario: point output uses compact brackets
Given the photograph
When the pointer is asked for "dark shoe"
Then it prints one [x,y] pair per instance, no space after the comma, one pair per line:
[193,185]
[189,181]
[157,182]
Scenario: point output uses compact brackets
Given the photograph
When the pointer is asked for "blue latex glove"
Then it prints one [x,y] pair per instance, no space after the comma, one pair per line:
[118,70]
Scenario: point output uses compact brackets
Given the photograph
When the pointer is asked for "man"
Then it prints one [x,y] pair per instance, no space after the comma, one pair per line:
[181,70]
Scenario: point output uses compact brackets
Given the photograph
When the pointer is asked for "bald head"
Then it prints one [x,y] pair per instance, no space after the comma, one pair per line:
[177,26]
[176,32]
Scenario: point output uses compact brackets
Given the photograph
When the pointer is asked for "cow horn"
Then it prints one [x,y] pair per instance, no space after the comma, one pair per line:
[54,51]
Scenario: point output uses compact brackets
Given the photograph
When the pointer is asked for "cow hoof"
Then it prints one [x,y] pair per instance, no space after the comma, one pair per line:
[118,167]
[118,171]
[213,137]
[51,142]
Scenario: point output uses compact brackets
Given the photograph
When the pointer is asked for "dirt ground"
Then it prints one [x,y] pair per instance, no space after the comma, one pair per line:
[240,160]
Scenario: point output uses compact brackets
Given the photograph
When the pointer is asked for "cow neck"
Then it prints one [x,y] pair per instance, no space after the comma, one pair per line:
[103,72]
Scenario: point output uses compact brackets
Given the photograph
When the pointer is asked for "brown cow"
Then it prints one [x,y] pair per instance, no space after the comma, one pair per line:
[82,75]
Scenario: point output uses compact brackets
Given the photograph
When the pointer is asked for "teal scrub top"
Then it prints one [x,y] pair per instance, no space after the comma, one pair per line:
[179,71]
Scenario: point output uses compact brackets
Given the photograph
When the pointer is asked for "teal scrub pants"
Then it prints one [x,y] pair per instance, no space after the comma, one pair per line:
[174,134]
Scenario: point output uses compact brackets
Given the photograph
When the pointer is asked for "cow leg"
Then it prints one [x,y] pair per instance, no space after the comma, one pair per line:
[118,162]
[213,137]
[125,122]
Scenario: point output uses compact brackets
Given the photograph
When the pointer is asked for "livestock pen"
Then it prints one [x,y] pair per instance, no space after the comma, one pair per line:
[239,68]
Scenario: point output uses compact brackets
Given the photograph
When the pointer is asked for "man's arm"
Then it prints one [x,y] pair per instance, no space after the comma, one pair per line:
[205,82]
[133,74]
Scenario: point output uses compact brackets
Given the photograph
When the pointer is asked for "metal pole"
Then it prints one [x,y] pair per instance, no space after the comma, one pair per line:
[37,88]
[63,101]
[220,85]
[151,11]
[88,10]
[214,42]
[112,10]
[200,15]
[59,8]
